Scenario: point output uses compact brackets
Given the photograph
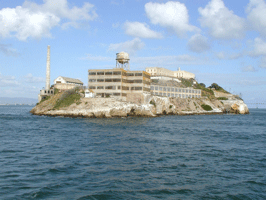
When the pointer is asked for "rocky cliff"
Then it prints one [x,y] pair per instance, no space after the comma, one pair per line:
[151,107]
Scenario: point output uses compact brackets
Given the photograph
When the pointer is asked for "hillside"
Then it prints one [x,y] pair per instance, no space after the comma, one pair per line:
[73,104]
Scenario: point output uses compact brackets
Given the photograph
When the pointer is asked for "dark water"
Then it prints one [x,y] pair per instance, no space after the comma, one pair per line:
[169,157]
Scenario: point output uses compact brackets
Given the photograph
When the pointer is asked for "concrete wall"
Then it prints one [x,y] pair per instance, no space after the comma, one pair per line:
[135,98]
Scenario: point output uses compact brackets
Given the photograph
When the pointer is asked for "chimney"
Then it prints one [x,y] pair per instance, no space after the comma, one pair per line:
[47,85]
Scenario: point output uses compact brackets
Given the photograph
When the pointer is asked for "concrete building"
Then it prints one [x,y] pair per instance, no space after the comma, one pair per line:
[177,92]
[65,83]
[162,72]
[119,83]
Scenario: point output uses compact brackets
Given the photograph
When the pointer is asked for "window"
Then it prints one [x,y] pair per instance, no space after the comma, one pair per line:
[152,87]
[108,73]
[117,73]
[100,88]
[168,89]
[92,80]
[138,88]
[100,80]
[164,89]
[108,80]
[138,74]
[92,73]
[92,87]
[110,87]
[156,88]
[100,73]
[116,80]
[137,81]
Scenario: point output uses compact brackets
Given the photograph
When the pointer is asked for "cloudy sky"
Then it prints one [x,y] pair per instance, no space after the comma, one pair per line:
[221,41]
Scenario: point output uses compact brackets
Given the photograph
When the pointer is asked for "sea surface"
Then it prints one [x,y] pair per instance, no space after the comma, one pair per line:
[168,157]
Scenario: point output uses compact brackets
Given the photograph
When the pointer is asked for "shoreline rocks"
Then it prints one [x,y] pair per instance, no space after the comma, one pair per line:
[153,106]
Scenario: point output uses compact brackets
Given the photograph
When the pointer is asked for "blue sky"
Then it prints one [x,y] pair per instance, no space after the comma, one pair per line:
[221,41]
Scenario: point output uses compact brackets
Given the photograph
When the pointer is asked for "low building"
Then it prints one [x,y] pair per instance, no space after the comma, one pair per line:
[89,93]
[65,83]
[177,92]
[162,72]
[119,83]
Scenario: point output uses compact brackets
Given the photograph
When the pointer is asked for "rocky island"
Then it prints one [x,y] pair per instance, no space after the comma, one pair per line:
[72,103]
[120,92]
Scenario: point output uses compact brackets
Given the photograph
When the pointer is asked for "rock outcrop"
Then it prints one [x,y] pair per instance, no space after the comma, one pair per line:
[151,107]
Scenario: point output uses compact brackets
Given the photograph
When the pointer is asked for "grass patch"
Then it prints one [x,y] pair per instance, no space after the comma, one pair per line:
[206,107]
[222,98]
[187,82]
[68,97]
[44,99]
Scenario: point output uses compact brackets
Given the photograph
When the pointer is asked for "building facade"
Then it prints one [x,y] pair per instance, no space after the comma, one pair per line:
[118,82]
[162,72]
[65,83]
[176,92]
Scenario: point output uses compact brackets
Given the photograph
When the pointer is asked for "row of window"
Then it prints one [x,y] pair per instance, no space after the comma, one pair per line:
[175,95]
[109,94]
[118,73]
[118,88]
[173,89]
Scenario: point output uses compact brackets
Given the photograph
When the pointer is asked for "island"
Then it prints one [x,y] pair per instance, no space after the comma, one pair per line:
[120,92]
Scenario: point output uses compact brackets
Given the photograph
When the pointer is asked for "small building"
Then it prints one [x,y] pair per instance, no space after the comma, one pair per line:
[65,83]
[89,93]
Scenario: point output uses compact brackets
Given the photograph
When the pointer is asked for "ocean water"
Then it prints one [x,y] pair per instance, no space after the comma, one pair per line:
[168,157]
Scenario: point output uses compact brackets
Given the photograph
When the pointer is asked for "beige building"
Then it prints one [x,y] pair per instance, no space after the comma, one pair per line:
[64,83]
[177,92]
[160,72]
[118,82]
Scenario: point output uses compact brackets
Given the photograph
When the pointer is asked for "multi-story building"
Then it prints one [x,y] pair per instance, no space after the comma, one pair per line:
[118,82]
[177,92]
[157,72]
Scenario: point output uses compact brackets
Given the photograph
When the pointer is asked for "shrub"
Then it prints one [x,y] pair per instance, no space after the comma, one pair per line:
[153,103]
[44,99]
[170,106]
[206,107]
[222,98]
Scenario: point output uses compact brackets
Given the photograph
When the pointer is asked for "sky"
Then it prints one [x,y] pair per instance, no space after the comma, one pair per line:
[220,41]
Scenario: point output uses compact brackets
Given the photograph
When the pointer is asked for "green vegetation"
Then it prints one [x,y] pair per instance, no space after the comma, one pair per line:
[153,103]
[170,106]
[187,82]
[222,98]
[56,90]
[218,88]
[68,97]
[206,107]
[205,92]
[44,99]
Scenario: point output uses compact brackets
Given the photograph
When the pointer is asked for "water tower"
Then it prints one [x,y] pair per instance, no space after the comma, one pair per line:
[122,60]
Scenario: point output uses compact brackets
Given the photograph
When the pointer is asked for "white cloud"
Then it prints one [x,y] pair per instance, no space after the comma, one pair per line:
[228,56]
[34,20]
[142,30]
[198,43]
[259,48]
[8,50]
[221,22]
[172,15]
[221,55]
[256,15]
[29,78]
[130,47]
[8,81]
[248,68]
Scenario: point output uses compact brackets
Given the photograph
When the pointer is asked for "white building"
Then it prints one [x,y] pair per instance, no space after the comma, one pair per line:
[64,83]
[159,71]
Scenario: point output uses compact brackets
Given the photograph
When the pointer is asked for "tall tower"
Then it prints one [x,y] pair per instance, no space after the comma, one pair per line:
[122,60]
[47,85]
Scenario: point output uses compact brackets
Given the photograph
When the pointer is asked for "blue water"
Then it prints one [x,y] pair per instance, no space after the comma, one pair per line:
[169,157]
